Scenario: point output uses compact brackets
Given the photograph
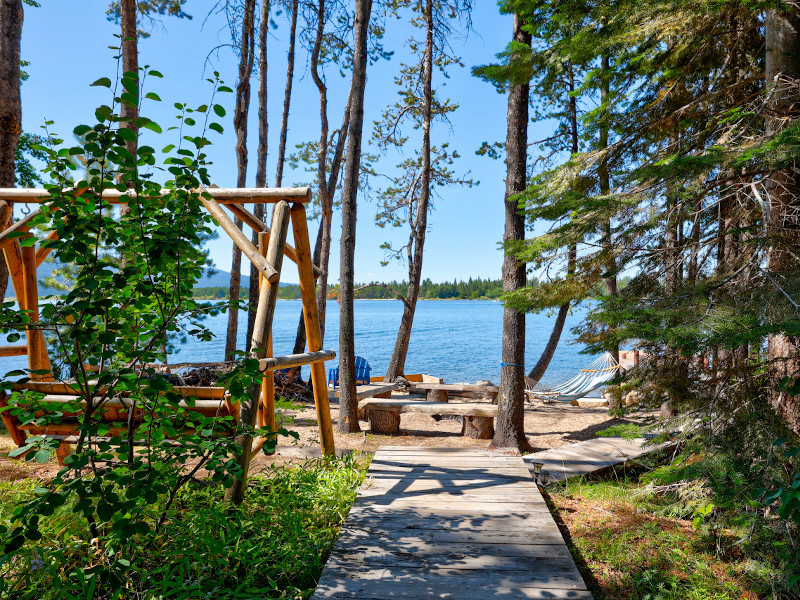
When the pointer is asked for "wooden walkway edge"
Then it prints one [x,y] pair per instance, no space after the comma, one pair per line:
[449,523]
[590,456]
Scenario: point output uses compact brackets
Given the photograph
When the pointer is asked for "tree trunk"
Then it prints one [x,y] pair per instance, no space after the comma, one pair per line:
[348,403]
[419,218]
[240,126]
[261,161]
[783,71]
[130,64]
[605,187]
[11,15]
[287,98]
[326,181]
[510,422]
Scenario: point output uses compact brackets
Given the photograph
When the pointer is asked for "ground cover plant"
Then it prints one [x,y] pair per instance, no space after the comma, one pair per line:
[671,533]
[273,546]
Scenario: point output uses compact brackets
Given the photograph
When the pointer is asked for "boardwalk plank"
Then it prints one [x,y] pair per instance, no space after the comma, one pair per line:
[447,523]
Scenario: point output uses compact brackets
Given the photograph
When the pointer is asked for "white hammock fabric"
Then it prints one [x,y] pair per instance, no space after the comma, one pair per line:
[599,372]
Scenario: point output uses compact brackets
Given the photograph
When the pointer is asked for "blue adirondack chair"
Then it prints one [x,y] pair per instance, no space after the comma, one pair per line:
[362,373]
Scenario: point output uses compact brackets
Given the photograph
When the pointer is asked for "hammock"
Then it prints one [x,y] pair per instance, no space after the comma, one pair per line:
[599,372]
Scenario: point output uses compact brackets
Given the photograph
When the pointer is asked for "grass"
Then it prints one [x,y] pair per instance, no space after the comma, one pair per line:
[630,546]
[275,547]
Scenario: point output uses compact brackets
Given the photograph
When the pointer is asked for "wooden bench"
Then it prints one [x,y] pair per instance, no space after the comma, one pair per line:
[441,392]
[209,401]
[384,414]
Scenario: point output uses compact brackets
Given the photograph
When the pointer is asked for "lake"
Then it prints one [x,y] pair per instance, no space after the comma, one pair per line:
[458,340]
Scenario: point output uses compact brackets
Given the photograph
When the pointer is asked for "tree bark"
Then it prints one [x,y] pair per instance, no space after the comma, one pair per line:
[11,16]
[783,71]
[419,217]
[246,56]
[261,161]
[348,403]
[510,422]
[287,97]
[129,46]
[604,181]
[326,180]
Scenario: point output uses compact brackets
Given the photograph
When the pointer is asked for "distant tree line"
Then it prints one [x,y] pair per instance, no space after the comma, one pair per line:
[472,289]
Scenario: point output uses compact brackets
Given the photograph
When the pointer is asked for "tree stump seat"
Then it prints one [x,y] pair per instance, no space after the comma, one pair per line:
[384,414]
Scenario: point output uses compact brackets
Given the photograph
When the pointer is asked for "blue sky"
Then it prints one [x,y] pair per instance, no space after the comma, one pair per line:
[66,43]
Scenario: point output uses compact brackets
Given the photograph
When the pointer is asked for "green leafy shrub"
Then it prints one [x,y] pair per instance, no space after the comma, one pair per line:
[133,274]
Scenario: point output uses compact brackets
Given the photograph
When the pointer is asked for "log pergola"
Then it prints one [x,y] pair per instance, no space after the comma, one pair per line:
[289,207]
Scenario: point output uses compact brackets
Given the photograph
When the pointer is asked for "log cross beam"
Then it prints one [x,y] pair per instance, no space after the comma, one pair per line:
[240,239]
[258,225]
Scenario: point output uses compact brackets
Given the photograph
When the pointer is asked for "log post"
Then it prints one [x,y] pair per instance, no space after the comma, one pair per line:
[267,408]
[311,320]
[37,349]
[267,296]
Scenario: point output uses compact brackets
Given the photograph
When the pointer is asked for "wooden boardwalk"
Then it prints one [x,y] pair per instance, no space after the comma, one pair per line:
[449,523]
[590,456]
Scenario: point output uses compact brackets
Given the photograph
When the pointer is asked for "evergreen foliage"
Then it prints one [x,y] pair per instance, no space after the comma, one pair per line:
[689,112]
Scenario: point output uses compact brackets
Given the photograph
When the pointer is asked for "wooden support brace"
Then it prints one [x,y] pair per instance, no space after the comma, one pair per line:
[265,266]
[13,255]
[267,407]
[295,360]
[268,295]
[257,224]
[313,334]
[43,253]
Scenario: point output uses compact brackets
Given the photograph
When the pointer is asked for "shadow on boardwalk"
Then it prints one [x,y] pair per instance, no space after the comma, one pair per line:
[447,523]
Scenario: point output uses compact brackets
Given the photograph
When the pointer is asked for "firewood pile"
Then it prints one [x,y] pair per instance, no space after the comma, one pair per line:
[288,384]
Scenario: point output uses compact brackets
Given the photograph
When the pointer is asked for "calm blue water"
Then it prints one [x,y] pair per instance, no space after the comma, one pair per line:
[458,340]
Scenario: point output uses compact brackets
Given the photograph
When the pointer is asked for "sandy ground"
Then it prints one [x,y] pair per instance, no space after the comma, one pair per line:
[547,426]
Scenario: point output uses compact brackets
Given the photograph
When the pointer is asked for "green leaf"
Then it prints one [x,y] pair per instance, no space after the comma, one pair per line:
[215,127]
[129,135]
[102,82]
[153,96]
[155,73]
[224,88]
[42,456]
[153,126]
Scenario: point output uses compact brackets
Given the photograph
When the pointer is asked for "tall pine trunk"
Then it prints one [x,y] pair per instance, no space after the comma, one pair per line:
[510,422]
[348,403]
[604,181]
[783,71]
[287,97]
[261,161]
[326,181]
[129,47]
[11,15]
[241,109]
[418,218]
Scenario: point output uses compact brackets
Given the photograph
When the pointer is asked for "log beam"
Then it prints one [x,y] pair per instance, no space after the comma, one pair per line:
[240,239]
[311,319]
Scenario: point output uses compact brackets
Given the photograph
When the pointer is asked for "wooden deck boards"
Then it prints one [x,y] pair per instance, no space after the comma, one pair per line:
[449,523]
[590,456]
